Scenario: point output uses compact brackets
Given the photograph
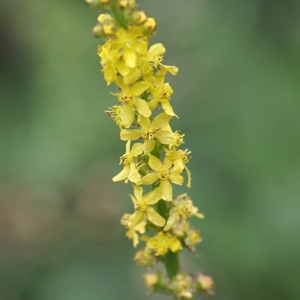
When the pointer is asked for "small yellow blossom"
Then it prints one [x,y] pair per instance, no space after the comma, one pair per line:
[163,242]
[193,237]
[129,43]
[133,233]
[142,205]
[183,157]
[144,257]
[182,210]
[114,113]
[165,172]
[206,283]
[128,160]
[150,131]
[161,93]
[182,285]
[132,103]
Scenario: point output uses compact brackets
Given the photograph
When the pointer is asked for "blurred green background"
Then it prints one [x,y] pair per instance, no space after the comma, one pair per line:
[237,94]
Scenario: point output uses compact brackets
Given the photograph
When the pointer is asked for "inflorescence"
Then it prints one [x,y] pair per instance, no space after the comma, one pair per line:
[154,159]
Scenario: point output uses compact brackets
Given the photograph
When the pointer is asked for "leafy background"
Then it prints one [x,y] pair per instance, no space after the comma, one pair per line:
[237,94]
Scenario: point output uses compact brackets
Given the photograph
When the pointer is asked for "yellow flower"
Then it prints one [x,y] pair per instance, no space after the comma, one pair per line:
[163,242]
[182,210]
[114,113]
[142,207]
[182,285]
[111,62]
[129,43]
[165,172]
[182,157]
[133,233]
[150,132]
[161,93]
[144,257]
[131,103]
[193,237]
[128,160]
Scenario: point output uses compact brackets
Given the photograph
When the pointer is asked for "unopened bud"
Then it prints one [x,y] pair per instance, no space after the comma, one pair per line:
[139,17]
[98,31]
[127,3]
[150,24]
[104,18]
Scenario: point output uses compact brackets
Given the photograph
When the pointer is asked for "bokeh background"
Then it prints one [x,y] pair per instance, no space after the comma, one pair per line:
[238,97]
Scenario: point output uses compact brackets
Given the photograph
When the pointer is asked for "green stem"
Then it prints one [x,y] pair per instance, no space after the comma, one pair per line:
[171,263]
[118,14]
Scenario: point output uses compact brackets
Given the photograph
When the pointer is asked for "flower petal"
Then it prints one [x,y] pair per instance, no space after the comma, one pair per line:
[148,146]
[128,134]
[148,179]
[154,217]
[142,107]
[154,163]
[164,137]
[153,197]
[122,175]
[167,190]
[138,88]
[160,121]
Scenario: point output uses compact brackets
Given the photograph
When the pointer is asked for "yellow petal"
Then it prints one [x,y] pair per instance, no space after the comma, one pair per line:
[132,76]
[149,146]
[138,192]
[168,109]
[137,149]
[139,88]
[167,190]
[157,49]
[134,175]
[130,58]
[144,122]
[160,121]
[136,218]
[153,197]
[175,178]
[142,107]
[132,135]
[122,175]
[148,179]
[164,137]
[154,163]
[127,115]
[172,221]
[154,217]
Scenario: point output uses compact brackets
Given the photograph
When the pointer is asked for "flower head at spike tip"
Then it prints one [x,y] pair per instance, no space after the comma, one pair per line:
[162,242]
[131,102]
[128,160]
[166,173]
[143,210]
[129,44]
[111,63]
[133,233]
[181,211]
[150,131]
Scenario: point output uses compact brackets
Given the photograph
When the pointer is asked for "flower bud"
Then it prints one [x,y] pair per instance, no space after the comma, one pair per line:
[98,31]
[139,17]
[102,18]
[150,24]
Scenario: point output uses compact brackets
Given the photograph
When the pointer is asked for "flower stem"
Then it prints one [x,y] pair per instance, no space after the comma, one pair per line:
[118,14]
[171,263]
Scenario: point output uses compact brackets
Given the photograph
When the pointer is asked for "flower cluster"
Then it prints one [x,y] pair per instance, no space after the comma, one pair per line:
[154,159]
